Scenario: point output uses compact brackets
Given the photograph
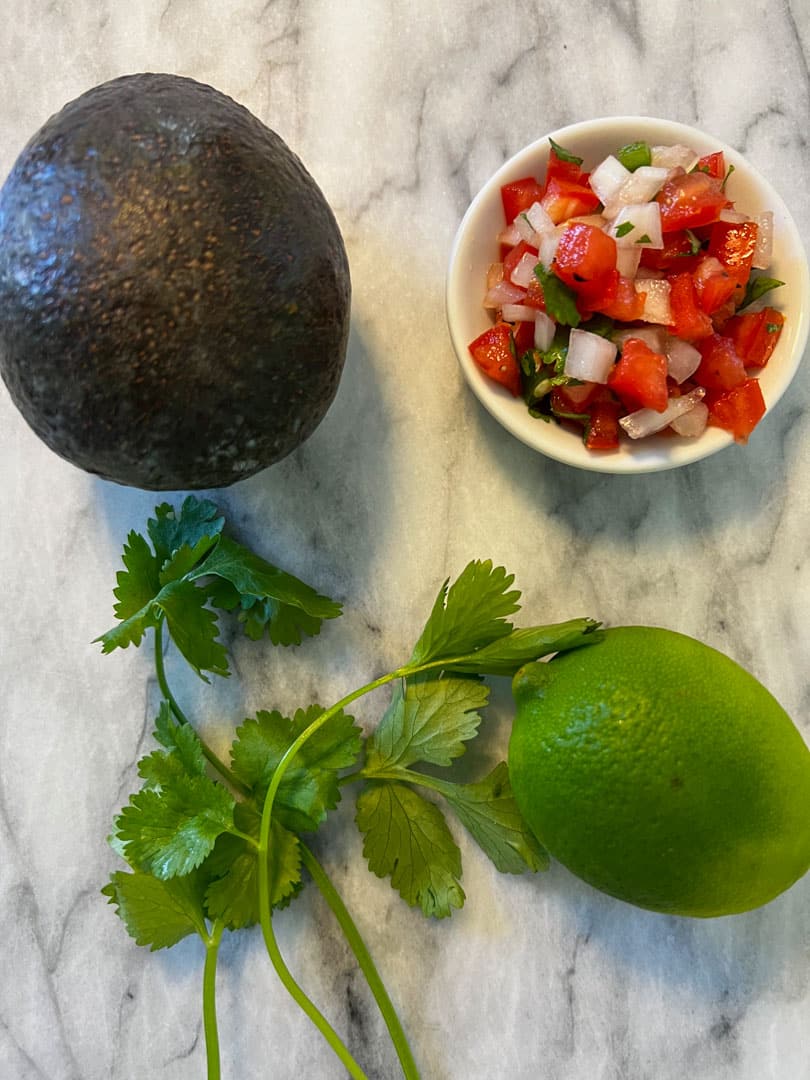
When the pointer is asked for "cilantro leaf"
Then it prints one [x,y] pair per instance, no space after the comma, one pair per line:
[310,785]
[169,531]
[468,615]
[756,288]
[507,654]
[292,609]
[625,228]
[406,838]
[185,558]
[171,831]
[430,721]
[233,895]
[488,811]
[130,631]
[560,300]
[140,581]
[183,755]
[158,913]
[193,626]
[563,154]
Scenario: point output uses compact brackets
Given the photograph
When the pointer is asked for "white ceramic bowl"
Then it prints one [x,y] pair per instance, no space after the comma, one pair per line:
[476,246]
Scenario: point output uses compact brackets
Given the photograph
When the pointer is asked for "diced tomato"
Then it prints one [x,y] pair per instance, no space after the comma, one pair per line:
[514,257]
[755,335]
[738,410]
[534,296]
[640,377]
[690,200]
[599,294]
[720,367]
[518,196]
[585,256]
[564,199]
[574,398]
[733,243]
[493,352]
[559,169]
[713,164]
[713,284]
[676,254]
[688,321]
[523,334]
[626,304]
[602,428]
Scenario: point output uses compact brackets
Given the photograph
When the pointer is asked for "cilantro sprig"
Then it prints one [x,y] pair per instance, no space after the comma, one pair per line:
[212,845]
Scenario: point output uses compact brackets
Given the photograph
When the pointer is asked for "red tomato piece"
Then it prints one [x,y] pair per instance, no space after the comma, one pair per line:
[733,243]
[565,199]
[599,294]
[677,253]
[640,377]
[626,304]
[737,410]
[518,196]
[688,321]
[523,333]
[585,256]
[560,169]
[720,367]
[713,284]
[534,296]
[713,164]
[493,353]
[690,200]
[755,335]
[514,257]
[575,398]
[602,428]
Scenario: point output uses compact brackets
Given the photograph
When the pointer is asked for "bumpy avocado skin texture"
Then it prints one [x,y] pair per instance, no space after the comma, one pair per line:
[174,289]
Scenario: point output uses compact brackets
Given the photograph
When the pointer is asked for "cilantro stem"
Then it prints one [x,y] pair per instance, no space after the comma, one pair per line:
[364,959]
[180,716]
[209,1000]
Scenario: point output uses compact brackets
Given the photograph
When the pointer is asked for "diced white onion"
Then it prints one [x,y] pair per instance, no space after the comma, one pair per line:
[645,422]
[673,157]
[523,274]
[510,236]
[494,274]
[590,357]
[548,245]
[647,272]
[504,292]
[608,176]
[734,216]
[544,328]
[539,219]
[763,252]
[645,219]
[627,260]
[524,228]
[652,336]
[518,313]
[692,423]
[656,303]
[683,359]
[642,185]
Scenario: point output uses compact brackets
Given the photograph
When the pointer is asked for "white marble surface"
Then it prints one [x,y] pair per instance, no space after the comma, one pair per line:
[401,111]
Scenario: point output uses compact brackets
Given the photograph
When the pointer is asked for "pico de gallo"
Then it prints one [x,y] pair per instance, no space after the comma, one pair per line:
[622,297]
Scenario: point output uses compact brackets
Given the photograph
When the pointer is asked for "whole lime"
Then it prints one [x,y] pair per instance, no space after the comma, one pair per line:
[661,772]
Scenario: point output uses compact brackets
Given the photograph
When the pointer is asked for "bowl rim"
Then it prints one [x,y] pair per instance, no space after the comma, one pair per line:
[659,452]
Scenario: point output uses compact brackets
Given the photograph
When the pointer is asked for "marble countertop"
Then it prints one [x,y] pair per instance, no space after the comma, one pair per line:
[401,112]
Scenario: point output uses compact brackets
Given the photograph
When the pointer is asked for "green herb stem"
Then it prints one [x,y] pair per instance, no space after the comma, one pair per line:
[209,1001]
[364,959]
[165,689]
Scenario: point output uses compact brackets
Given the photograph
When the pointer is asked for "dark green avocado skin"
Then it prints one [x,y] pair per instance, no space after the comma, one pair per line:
[174,289]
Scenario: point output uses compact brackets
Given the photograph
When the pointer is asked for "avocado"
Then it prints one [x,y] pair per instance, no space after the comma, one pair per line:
[174,288]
